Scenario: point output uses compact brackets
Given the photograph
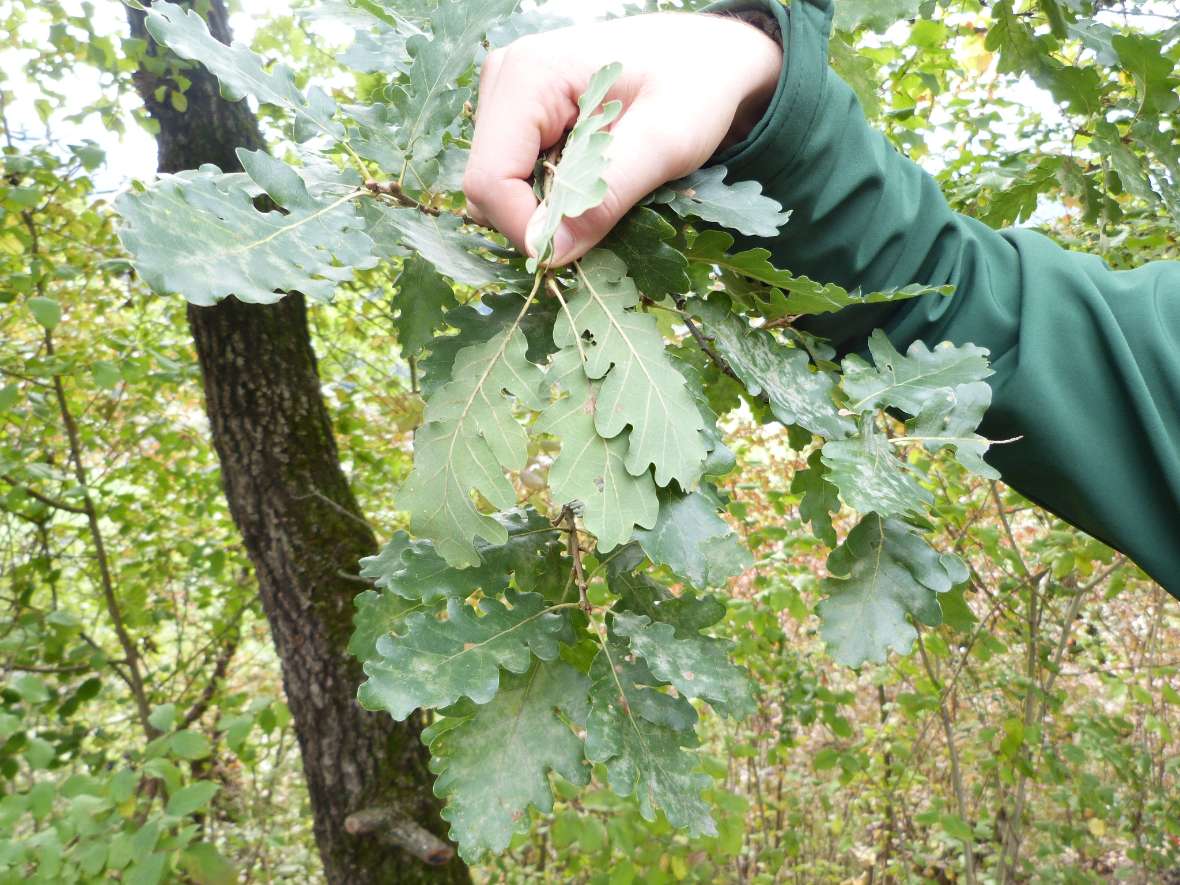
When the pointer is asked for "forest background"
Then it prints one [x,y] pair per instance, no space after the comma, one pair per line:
[145,728]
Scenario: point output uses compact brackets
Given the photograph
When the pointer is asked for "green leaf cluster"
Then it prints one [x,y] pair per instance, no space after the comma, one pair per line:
[531,682]
[543,636]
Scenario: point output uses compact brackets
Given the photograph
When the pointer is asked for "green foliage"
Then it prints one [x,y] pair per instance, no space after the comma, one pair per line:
[542,638]
[634,440]
[768,368]
[412,570]
[469,435]
[692,540]
[882,573]
[493,760]
[310,248]
[640,735]
[874,14]
[427,103]
[590,468]
[741,207]
[622,348]
[104,779]
[241,72]
[423,299]
[697,666]
[435,663]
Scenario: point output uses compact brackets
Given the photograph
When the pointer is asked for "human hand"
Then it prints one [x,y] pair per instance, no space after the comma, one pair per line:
[690,83]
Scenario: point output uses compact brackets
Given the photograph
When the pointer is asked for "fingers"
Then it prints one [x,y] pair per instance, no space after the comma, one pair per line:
[523,109]
[487,80]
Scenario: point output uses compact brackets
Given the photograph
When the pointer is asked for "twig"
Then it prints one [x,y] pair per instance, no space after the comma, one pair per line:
[549,163]
[956,774]
[704,344]
[29,668]
[133,676]
[575,552]
[395,191]
[197,710]
[391,826]
[326,500]
[1075,606]
[44,499]
[995,488]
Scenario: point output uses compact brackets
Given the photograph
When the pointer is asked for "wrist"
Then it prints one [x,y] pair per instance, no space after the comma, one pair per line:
[761,52]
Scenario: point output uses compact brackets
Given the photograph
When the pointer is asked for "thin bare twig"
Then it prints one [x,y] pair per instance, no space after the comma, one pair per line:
[44,499]
[956,773]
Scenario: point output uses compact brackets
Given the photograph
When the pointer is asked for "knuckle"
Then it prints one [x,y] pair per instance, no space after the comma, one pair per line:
[477,184]
[611,207]
[493,61]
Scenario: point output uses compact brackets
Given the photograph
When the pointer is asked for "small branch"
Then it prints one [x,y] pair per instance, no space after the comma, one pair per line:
[395,191]
[29,668]
[197,710]
[44,499]
[704,344]
[995,489]
[956,774]
[780,323]
[134,674]
[394,828]
[575,552]
[1071,615]
[549,163]
[326,500]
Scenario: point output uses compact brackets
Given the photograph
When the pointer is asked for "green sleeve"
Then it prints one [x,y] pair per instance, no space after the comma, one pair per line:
[1086,359]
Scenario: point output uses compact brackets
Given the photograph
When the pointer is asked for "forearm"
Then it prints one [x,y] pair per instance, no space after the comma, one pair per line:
[863,216]
[1087,360]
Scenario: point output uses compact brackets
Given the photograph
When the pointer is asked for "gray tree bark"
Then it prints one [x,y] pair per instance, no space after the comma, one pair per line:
[302,529]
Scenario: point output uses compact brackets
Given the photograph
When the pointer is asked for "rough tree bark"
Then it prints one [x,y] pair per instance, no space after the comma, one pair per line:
[302,529]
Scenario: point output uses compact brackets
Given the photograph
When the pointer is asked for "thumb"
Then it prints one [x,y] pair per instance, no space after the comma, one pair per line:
[641,157]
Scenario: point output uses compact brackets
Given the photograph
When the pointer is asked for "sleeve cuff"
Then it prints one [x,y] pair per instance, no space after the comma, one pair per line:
[780,138]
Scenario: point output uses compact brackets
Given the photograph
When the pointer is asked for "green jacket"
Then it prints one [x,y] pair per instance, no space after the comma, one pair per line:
[1086,359]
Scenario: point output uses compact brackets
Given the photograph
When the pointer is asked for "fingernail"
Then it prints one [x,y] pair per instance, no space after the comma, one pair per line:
[563,244]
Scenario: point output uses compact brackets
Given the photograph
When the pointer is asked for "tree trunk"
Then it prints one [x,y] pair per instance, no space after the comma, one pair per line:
[302,529]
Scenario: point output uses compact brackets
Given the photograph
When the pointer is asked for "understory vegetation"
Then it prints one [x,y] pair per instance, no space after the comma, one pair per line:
[147,733]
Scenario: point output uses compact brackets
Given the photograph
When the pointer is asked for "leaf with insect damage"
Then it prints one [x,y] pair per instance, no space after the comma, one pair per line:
[640,386]
[642,735]
[256,256]
[590,468]
[740,206]
[882,575]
